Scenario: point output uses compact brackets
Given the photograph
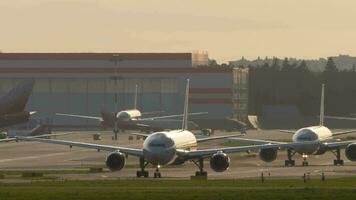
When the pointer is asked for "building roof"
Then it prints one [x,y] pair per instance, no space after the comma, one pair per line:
[95,56]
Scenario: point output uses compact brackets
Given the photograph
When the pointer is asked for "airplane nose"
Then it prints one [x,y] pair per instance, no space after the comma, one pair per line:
[159,150]
[159,156]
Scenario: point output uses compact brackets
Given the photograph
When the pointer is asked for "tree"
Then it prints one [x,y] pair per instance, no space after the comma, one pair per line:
[330,66]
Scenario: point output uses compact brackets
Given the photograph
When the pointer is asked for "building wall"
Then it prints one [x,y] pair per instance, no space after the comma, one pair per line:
[85,84]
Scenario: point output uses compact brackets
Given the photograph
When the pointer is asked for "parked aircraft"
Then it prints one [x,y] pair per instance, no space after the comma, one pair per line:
[12,105]
[313,140]
[132,119]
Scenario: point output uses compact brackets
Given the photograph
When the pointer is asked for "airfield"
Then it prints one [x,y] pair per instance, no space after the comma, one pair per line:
[64,163]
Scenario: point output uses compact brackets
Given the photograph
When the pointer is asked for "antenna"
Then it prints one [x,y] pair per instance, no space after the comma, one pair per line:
[186,103]
[135,100]
[322,106]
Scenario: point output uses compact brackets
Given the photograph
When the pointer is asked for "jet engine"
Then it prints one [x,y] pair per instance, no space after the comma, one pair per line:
[268,155]
[115,161]
[350,152]
[219,162]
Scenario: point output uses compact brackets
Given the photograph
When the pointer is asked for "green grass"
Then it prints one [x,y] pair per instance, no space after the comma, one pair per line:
[342,188]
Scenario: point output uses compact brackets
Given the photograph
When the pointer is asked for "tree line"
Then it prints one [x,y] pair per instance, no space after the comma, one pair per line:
[283,82]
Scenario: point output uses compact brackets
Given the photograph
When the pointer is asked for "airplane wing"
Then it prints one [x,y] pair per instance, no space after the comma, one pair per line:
[339,145]
[129,151]
[174,116]
[188,155]
[342,118]
[8,140]
[253,141]
[140,134]
[37,136]
[205,139]
[287,131]
[343,132]
[80,116]
[152,113]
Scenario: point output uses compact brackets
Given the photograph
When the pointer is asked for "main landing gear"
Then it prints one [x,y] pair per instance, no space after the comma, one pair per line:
[290,162]
[338,160]
[142,172]
[200,165]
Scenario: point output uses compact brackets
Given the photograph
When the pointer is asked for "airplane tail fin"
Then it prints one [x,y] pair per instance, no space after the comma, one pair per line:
[321,123]
[107,116]
[16,99]
[186,105]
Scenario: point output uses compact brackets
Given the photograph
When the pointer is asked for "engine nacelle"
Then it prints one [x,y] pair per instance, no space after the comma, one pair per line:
[350,152]
[219,162]
[268,155]
[115,161]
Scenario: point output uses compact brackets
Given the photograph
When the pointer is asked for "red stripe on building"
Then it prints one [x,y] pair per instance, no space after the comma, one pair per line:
[95,56]
[112,70]
[210,90]
[209,101]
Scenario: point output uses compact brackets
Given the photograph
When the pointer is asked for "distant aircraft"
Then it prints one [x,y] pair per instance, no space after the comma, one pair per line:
[163,148]
[12,105]
[131,119]
[314,140]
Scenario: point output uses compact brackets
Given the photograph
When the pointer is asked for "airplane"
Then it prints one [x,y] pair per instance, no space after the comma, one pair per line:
[131,119]
[313,140]
[164,148]
[12,105]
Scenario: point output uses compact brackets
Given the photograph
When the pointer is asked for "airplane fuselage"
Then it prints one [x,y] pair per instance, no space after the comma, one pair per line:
[309,139]
[160,148]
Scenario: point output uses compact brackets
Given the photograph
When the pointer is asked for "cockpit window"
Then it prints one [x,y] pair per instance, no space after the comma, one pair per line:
[156,145]
[306,135]
[161,140]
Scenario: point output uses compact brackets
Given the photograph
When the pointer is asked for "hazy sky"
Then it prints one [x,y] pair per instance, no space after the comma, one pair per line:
[227,29]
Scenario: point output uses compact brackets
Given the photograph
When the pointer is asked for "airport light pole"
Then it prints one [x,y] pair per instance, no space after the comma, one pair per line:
[116,59]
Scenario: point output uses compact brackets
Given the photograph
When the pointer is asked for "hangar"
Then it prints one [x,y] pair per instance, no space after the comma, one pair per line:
[85,83]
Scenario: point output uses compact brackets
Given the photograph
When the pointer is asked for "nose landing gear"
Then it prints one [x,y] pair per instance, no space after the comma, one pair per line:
[290,162]
[305,162]
[157,173]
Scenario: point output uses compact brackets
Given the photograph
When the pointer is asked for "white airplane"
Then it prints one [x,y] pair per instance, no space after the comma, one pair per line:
[132,119]
[313,140]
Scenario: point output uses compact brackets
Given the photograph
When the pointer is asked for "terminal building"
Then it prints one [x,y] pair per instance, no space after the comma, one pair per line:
[85,83]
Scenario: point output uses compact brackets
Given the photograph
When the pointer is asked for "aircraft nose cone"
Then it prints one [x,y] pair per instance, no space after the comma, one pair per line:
[159,150]
[307,148]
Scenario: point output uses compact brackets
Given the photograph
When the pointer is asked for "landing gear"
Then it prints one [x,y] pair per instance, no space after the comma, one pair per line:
[142,172]
[116,130]
[305,162]
[290,162]
[200,165]
[157,173]
[338,160]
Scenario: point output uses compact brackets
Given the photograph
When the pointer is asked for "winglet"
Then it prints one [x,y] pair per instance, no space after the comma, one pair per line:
[186,104]
[322,105]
